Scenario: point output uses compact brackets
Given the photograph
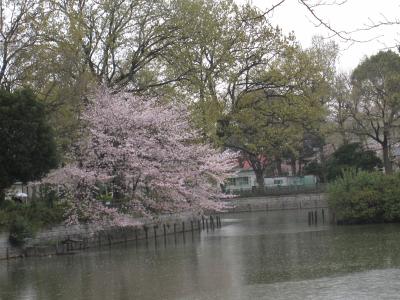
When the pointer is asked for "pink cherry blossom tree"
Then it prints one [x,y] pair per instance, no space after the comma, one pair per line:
[151,156]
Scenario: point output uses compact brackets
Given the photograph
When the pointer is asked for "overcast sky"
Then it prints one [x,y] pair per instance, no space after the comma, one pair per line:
[351,15]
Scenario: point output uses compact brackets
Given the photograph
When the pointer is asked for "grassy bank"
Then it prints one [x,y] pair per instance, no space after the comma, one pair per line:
[365,197]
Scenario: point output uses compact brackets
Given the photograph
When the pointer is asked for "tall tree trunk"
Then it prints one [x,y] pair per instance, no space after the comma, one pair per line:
[386,156]
[260,178]
[293,166]
[258,165]
[345,140]
[343,133]
[279,166]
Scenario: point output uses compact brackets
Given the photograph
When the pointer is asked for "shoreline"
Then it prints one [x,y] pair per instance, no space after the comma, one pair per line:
[65,240]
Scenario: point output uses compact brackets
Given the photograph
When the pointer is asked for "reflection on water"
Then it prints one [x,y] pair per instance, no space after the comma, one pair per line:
[273,255]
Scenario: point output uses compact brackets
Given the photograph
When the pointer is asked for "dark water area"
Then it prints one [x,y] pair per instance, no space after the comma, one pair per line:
[274,255]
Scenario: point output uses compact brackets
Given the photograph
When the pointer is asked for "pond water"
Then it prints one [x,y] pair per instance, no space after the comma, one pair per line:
[274,255]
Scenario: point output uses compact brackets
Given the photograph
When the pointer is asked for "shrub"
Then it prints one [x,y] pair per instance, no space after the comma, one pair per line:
[391,198]
[42,215]
[20,229]
[364,197]
[3,219]
[23,220]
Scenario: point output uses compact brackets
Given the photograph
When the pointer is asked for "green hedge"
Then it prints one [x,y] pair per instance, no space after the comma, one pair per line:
[365,197]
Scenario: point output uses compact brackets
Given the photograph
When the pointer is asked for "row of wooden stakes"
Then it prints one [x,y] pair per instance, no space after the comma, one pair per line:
[313,217]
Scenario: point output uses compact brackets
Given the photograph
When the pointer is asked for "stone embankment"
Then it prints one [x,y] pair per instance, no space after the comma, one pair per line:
[266,203]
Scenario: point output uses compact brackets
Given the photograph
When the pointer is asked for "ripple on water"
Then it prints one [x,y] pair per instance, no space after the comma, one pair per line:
[370,285]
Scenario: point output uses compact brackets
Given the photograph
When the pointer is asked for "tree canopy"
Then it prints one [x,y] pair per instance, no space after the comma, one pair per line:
[270,124]
[375,105]
[148,153]
[27,148]
[347,156]
[352,156]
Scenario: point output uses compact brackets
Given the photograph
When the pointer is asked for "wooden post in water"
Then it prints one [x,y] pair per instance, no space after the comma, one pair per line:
[212,222]
[202,219]
[207,224]
[191,226]
[155,231]
[323,216]
[309,219]
[175,233]
[199,225]
[183,227]
[145,232]
[165,231]
[7,253]
[316,217]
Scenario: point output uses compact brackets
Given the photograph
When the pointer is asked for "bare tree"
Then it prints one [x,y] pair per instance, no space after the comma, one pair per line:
[311,7]
[339,108]
[375,102]
[18,34]
[119,41]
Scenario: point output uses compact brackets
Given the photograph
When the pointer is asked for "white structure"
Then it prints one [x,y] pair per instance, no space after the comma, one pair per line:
[245,180]
[20,191]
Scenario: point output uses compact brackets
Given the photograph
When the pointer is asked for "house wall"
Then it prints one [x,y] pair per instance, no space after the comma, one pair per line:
[237,183]
[276,181]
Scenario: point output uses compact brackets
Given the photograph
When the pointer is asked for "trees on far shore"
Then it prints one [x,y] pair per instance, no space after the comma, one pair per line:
[244,85]
[347,156]
[375,105]
[365,106]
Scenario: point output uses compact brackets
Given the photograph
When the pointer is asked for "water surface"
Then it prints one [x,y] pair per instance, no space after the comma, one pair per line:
[274,255]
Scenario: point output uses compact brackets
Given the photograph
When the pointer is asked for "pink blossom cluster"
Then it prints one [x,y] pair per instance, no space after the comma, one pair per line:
[150,155]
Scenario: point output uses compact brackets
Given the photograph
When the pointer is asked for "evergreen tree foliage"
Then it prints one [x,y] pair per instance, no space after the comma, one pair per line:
[27,147]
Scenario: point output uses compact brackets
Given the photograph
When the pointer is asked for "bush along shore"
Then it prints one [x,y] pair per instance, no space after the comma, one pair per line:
[23,220]
[365,197]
